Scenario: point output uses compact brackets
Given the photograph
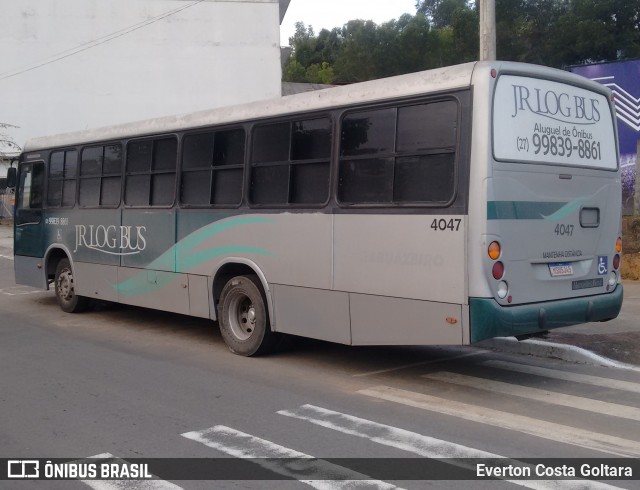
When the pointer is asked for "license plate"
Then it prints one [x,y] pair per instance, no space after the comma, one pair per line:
[561,269]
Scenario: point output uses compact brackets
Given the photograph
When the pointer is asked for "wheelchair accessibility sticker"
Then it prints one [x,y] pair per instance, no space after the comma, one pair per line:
[602,265]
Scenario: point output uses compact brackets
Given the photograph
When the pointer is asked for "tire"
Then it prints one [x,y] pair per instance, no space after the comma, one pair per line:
[243,317]
[66,296]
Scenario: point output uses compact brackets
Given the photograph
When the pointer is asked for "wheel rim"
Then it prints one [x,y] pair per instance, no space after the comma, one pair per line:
[64,285]
[242,317]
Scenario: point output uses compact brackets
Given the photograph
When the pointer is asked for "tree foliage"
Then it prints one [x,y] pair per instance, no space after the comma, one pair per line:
[443,32]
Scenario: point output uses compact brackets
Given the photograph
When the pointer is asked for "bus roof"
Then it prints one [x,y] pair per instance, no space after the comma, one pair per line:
[436,80]
[451,77]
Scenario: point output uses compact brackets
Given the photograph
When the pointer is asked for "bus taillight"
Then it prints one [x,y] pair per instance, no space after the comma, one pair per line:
[503,289]
[497,271]
[616,262]
[494,250]
[619,244]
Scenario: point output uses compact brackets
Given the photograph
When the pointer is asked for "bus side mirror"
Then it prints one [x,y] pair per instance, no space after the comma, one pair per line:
[12,173]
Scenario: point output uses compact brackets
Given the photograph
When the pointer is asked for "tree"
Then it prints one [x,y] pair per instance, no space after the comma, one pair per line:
[445,32]
[312,56]
[320,73]
[441,12]
[304,43]
[294,71]
[465,36]
[358,58]
[597,30]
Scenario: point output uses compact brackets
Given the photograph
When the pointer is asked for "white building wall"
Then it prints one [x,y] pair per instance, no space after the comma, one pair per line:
[74,64]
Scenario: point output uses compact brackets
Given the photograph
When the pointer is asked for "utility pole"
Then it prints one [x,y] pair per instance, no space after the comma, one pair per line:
[487,30]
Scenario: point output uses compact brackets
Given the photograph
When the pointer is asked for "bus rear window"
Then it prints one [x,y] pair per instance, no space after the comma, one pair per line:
[540,121]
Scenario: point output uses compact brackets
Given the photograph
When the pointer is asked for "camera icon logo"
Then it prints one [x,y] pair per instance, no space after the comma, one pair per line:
[23,468]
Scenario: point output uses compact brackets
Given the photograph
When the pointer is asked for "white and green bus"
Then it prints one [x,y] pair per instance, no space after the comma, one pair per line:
[441,207]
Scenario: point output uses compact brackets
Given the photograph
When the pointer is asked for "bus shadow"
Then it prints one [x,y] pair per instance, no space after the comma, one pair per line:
[129,320]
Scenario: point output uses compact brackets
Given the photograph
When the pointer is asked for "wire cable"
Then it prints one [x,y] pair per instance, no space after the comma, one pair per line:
[99,41]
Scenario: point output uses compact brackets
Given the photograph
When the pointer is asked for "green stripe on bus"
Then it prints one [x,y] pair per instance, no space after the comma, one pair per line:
[521,209]
[186,255]
[551,211]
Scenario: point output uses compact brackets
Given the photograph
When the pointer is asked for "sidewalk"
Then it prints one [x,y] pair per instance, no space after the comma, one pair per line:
[618,339]
[615,343]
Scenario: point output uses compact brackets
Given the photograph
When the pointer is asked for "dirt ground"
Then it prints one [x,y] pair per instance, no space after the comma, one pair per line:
[631,267]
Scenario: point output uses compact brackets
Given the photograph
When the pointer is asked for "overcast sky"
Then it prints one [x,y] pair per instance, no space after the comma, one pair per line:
[334,13]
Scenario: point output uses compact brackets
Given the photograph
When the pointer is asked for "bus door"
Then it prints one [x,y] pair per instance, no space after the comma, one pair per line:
[29,239]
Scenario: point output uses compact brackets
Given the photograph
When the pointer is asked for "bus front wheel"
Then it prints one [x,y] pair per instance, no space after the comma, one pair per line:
[243,317]
[66,295]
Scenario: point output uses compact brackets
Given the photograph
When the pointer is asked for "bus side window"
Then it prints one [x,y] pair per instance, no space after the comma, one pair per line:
[399,155]
[151,172]
[290,162]
[61,187]
[31,186]
[427,134]
[366,156]
[100,176]
[212,168]
[30,193]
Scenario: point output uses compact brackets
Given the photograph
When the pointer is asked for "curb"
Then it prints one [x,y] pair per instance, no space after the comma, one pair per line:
[541,348]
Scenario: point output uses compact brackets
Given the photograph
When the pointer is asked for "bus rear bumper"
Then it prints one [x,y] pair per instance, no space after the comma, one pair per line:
[488,319]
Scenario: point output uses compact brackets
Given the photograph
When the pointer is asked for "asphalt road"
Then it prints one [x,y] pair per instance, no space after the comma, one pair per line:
[138,383]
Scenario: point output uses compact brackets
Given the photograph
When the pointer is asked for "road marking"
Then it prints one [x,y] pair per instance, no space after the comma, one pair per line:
[8,257]
[578,402]
[422,363]
[566,376]
[243,445]
[126,484]
[519,423]
[413,442]
[20,291]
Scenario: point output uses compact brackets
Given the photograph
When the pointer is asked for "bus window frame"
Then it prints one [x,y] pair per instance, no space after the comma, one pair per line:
[290,118]
[212,130]
[103,144]
[47,168]
[36,212]
[153,137]
[397,104]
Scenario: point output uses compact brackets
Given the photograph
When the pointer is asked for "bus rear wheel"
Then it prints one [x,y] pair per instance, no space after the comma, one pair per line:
[66,295]
[243,317]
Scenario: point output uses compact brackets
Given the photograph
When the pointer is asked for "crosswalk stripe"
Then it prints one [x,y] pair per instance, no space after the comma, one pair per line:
[413,442]
[520,423]
[428,447]
[243,445]
[578,402]
[566,376]
[20,291]
[126,484]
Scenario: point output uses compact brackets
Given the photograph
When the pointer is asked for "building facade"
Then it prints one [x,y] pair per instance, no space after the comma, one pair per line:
[75,64]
